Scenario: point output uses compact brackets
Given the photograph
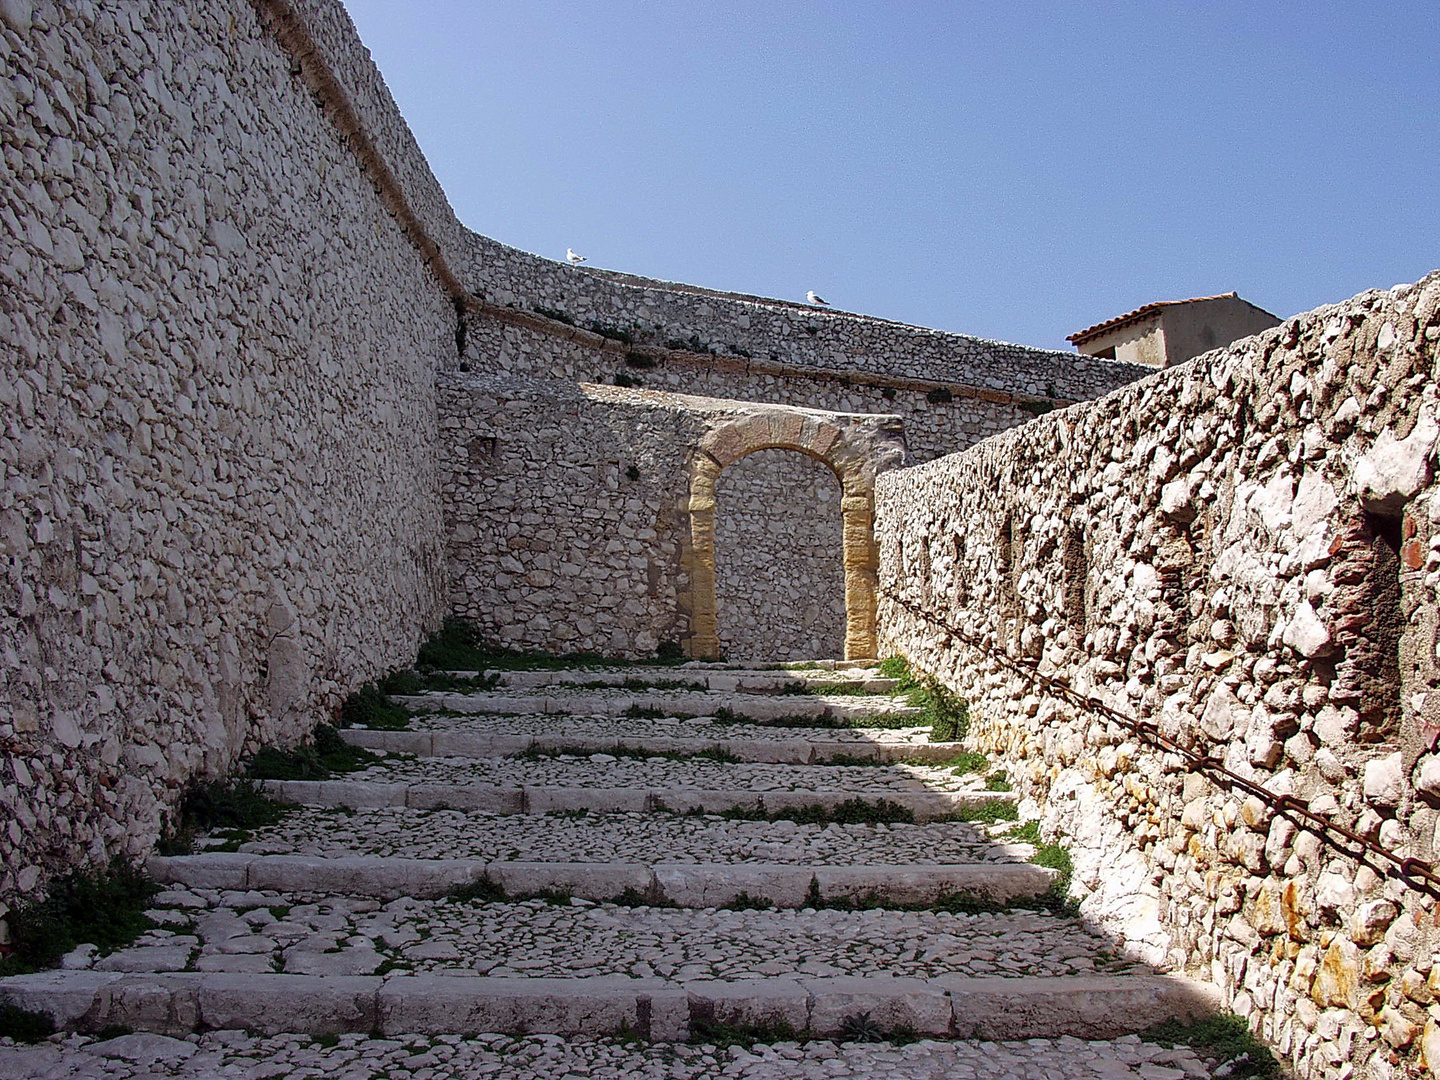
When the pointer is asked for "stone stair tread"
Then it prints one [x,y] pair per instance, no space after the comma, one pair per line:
[426,738]
[540,799]
[621,837]
[530,725]
[756,680]
[688,884]
[950,1006]
[673,702]
[604,770]
[523,1057]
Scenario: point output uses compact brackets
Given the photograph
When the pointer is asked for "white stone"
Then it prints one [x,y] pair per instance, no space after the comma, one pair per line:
[1385,780]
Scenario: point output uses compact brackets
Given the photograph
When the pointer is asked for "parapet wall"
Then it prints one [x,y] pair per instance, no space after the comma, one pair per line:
[219,506]
[1245,552]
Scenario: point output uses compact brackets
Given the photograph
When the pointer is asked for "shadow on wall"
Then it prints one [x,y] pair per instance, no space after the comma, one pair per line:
[780,576]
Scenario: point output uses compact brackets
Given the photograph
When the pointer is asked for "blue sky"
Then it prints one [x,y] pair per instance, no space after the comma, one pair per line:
[1016,170]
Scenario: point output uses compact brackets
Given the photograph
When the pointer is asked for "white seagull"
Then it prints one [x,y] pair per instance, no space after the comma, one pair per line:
[814,298]
[572,258]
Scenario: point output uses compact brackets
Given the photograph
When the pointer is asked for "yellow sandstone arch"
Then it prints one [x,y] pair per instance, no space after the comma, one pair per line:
[819,439]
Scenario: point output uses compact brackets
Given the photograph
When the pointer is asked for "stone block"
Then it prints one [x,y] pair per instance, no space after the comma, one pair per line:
[758,1002]
[890,1002]
[589,881]
[497,800]
[1097,1007]
[702,886]
[269,1004]
[462,1005]
[923,884]
[540,800]
[217,870]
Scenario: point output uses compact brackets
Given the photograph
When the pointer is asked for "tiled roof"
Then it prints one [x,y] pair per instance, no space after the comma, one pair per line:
[1139,313]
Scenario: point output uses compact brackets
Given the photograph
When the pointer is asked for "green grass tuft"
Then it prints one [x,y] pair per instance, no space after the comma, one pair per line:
[485,890]
[743,901]
[24,1026]
[722,1035]
[328,755]
[1227,1038]
[370,707]
[966,761]
[998,781]
[104,907]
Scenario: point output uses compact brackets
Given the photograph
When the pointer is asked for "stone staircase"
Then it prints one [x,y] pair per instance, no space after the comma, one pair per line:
[646,854]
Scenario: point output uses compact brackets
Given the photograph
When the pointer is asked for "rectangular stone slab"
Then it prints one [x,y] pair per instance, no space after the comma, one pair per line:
[714,885]
[1097,1007]
[469,1005]
[589,881]
[269,1004]
[923,884]
[891,1003]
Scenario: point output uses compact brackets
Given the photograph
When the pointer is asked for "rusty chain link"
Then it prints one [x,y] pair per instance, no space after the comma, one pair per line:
[1417,872]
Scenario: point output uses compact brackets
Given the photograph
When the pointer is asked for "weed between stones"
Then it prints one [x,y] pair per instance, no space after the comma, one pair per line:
[708,1031]
[725,715]
[329,754]
[998,781]
[103,907]
[230,808]
[24,1026]
[1226,1038]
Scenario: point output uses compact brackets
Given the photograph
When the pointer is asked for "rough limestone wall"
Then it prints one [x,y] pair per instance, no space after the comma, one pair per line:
[555,544]
[749,327]
[219,506]
[932,428]
[567,509]
[1246,551]
[780,579]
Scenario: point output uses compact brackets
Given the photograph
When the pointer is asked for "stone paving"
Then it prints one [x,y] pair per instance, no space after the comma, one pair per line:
[601,770]
[234,1054]
[310,921]
[604,726]
[307,934]
[627,837]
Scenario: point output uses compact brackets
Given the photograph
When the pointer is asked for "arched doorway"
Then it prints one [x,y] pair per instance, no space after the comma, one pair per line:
[854,449]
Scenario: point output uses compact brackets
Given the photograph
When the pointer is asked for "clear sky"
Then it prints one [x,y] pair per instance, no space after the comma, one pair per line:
[1015,170]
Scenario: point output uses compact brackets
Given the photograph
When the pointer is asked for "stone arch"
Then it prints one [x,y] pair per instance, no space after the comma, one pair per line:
[850,453]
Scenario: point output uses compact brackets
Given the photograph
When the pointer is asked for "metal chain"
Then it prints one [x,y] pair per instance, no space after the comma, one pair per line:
[1417,872]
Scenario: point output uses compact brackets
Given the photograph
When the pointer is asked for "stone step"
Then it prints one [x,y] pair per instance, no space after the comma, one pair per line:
[750,682]
[685,884]
[542,799]
[628,837]
[606,770]
[355,1056]
[759,707]
[177,1003]
[457,742]
[625,728]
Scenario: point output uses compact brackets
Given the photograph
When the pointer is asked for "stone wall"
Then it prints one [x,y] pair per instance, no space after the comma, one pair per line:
[568,512]
[1244,550]
[780,582]
[219,507]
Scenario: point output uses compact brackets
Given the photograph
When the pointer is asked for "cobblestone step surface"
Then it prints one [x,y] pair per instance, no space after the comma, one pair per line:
[761,707]
[731,681]
[229,1052]
[264,931]
[603,770]
[176,1003]
[518,864]
[427,739]
[924,805]
[686,884]
[604,726]
[628,837]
